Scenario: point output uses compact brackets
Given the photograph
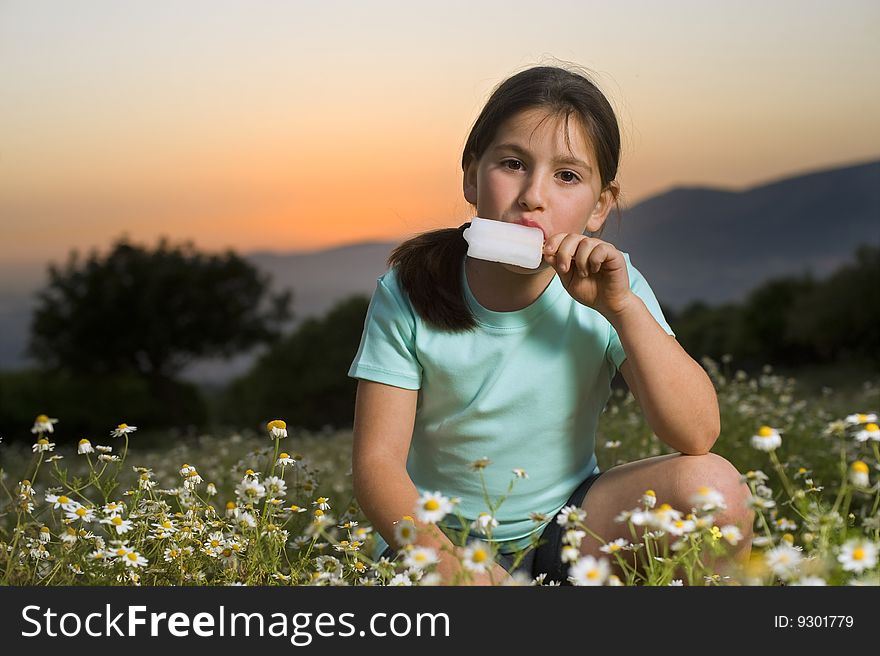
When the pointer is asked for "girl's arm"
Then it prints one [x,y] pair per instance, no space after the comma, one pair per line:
[675,393]
[383,424]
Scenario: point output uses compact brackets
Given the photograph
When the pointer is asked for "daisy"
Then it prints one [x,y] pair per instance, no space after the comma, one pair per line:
[731,533]
[43,424]
[857,555]
[145,482]
[323,503]
[61,501]
[103,449]
[784,524]
[244,520]
[784,560]
[431,507]
[767,439]
[649,499]
[84,446]
[69,536]
[810,580]
[484,522]
[477,557]
[571,516]
[45,534]
[664,516]
[171,553]
[113,508]
[122,526]
[82,514]
[520,473]
[43,445]
[405,531]
[858,474]
[400,580]
[277,429]
[122,429]
[574,537]
[285,459]
[871,432]
[589,571]
[275,487]
[707,499]
[420,557]
[857,419]
[614,546]
[680,526]
[570,554]
[250,491]
[165,526]
[134,559]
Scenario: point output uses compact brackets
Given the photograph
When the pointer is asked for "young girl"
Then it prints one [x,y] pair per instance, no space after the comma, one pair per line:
[463,359]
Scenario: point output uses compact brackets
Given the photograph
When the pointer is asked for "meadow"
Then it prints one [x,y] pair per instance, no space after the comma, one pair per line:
[275,506]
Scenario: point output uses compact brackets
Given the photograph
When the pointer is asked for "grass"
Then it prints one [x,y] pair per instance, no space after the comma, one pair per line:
[224,510]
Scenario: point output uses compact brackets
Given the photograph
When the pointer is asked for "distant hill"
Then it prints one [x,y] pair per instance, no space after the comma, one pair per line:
[716,246]
[690,243]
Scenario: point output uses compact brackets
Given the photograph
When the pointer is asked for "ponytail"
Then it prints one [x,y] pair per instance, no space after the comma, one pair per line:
[429,268]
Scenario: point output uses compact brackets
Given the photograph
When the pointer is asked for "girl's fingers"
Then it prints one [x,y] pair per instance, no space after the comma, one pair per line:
[565,250]
[596,257]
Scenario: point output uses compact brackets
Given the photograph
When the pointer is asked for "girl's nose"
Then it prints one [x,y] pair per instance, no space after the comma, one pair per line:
[532,194]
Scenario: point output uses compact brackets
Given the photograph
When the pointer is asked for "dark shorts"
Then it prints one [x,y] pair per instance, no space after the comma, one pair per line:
[547,558]
[548,555]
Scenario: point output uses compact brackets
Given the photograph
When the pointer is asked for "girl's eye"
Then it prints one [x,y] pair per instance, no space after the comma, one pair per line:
[573,177]
[515,162]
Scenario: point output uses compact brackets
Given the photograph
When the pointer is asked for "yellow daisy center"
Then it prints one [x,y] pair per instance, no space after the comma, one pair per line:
[43,419]
[117,521]
[765,431]
[479,556]
[63,499]
[122,426]
[284,456]
[858,553]
[132,556]
[82,512]
[872,428]
[593,574]
[860,467]
[277,423]
[432,504]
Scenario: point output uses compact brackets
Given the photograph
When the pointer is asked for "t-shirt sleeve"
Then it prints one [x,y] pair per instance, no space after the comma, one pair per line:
[387,350]
[642,289]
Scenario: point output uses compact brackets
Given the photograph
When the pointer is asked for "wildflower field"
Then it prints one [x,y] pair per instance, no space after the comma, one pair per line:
[275,507]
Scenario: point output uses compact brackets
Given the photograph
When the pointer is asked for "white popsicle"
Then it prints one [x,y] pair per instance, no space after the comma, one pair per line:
[509,243]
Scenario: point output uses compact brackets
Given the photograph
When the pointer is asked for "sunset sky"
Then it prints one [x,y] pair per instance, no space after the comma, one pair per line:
[290,126]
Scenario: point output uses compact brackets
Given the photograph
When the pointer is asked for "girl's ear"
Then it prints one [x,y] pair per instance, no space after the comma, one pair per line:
[469,182]
[603,207]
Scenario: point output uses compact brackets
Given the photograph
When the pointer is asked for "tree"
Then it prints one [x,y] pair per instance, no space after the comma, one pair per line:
[151,312]
[303,379]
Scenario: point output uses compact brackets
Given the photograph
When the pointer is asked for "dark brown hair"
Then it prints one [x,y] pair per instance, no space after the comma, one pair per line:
[429,266]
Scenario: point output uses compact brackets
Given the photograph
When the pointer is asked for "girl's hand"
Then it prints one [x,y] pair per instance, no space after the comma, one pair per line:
[592,271]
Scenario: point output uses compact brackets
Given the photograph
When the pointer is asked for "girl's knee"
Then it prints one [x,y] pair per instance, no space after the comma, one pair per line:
[717,473]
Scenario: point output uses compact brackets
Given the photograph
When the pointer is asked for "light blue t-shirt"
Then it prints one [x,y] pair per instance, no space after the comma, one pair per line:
[524,389]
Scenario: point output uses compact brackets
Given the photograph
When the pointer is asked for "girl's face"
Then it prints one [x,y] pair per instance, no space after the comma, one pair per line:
[529,176]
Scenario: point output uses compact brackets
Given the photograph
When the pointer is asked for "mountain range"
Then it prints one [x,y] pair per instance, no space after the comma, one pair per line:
[691,243]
